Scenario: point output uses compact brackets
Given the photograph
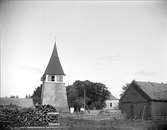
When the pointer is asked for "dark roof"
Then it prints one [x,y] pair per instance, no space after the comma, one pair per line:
[155,91]
[54,66]
[112,97]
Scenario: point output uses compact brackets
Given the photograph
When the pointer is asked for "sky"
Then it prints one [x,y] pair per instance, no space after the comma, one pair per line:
[107,41]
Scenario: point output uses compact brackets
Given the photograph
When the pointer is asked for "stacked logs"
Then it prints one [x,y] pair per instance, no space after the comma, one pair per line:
[8,116]
[26,117]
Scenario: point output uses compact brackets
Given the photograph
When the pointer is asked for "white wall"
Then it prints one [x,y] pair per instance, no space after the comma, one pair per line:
[113,102]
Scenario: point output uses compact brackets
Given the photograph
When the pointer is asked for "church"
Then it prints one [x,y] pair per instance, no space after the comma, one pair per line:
[53,86]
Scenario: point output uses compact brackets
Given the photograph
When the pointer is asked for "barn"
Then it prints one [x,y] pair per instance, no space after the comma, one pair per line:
[145,100]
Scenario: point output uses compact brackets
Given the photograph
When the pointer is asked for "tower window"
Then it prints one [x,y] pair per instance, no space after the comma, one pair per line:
[49,78]
[55,78]
[110,104]
[59,78]
[52,78]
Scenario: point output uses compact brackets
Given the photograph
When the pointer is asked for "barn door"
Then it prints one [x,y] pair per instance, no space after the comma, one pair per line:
[131,110]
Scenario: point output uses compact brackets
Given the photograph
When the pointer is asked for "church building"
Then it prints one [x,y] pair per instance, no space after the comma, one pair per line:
[53,87]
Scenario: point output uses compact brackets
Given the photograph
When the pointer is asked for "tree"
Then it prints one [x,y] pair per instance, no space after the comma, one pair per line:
[37,95]
[14,96]
[96,94]
[125,87]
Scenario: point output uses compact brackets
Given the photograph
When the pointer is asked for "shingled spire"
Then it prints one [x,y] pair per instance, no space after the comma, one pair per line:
[54,66]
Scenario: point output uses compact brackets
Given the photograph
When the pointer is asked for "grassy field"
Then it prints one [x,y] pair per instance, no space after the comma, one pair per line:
[71,123]
[114,124]
[80,124]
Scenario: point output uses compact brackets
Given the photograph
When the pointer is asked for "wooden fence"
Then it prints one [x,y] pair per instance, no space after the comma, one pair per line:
[97,115]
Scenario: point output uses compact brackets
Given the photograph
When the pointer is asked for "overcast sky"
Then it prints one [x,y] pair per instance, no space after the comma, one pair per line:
[112,42]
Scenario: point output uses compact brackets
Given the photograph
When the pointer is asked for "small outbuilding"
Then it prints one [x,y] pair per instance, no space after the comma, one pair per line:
[145,100]
[112,103]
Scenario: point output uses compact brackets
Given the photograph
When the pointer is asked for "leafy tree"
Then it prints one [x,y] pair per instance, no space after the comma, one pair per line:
[37,95]
[95,94]
[28,96]
[14,96]
[125,87]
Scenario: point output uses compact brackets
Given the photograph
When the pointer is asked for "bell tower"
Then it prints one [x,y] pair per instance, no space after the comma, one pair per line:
[53,87]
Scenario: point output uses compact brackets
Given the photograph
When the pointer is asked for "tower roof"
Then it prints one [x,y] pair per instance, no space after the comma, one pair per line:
[54,66]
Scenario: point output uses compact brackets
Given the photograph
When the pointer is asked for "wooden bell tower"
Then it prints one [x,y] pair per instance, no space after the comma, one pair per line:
[53,88]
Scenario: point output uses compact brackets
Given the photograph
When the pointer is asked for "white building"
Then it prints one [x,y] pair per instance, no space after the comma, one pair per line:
[112,103]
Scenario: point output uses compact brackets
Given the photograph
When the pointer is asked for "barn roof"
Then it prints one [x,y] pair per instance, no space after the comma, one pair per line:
[54,66]
[21,102]
[156,91]
[112,97]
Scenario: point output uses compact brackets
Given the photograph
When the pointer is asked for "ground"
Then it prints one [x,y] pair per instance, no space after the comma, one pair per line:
[121,124]
[77,121]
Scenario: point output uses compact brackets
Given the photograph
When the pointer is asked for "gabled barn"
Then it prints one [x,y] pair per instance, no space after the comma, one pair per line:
[145,100]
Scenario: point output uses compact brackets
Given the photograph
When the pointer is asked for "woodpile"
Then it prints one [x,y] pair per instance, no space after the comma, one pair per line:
[26,117]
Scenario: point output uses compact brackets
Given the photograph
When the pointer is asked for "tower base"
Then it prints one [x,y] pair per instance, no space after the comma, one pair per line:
[55,94]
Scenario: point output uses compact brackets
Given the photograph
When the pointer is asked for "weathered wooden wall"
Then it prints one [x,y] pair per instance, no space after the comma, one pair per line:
[55,94]
[134,105]
[159,110]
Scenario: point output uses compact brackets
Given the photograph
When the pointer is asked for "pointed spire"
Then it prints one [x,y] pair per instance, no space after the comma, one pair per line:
[55,51]
[54,66]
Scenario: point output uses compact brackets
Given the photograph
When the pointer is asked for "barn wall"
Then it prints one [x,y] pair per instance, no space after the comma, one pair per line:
[159,110]
[140,110]
[126,110]
[134,105]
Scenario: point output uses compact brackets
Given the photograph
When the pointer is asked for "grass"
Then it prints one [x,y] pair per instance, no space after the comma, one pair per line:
[76,124]
[120,124]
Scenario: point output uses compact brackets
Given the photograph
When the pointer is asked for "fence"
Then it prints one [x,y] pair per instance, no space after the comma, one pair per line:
[96,115]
